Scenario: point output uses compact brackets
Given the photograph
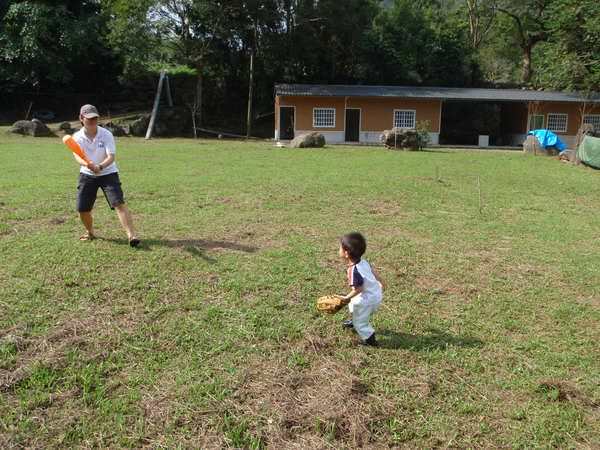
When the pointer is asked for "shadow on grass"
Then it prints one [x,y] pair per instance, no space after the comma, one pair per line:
[435,340]
[196,247]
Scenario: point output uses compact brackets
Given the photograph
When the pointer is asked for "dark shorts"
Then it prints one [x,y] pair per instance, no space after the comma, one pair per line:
[87,190]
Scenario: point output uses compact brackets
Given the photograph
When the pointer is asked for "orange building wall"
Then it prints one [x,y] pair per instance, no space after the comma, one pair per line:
[377,114]
[572,109]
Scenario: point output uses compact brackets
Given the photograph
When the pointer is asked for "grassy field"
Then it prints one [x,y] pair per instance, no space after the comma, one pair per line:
[207,335]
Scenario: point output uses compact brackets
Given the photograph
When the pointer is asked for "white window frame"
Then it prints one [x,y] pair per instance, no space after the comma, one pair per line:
[562,130]
[315,125]
[532,118]
[594,120]
[414,114]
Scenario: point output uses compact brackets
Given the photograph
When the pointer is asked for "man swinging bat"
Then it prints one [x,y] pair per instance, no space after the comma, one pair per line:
[99,171]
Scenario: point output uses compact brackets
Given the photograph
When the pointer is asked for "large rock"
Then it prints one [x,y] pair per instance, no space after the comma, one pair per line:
[310,140]
[587,129]
[35,128]
[139,126]
[402,139]
[116,129]
[532,145]
[66,128]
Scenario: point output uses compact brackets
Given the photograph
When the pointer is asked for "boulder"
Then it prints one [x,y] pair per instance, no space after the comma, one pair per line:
[35,128]
[532,145]
[116,129]
[310,140]
[402,139]
[139,126]
[66,128]
[587,129]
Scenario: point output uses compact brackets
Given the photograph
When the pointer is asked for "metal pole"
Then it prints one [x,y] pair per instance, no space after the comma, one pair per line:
[250,94]
[155,107]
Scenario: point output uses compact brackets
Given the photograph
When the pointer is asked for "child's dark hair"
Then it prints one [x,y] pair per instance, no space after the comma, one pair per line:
[355,244]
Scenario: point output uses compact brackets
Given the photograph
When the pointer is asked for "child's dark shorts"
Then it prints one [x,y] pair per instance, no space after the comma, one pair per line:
[87,190]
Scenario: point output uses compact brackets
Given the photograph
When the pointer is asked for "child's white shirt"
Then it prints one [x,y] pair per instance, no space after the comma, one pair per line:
[361,275]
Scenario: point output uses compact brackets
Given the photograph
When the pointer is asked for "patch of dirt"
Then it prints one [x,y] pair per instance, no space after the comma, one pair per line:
[57,221]
[90,333]
[384,208]
[445,286]
[563,391]
[323,405]
[589,301]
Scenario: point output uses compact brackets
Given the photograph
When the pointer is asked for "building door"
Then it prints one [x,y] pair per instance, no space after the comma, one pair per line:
[286,122]
[352,125]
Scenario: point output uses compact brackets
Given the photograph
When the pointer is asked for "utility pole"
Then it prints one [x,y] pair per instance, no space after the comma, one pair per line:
[250,94]
[251,86]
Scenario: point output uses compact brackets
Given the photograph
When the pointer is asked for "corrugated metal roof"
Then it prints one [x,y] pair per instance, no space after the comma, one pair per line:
[444,93]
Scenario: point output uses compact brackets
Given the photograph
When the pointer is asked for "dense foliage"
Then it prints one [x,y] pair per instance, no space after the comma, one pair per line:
[109,45]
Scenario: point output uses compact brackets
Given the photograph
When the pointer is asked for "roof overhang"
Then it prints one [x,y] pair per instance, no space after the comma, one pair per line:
[433,93]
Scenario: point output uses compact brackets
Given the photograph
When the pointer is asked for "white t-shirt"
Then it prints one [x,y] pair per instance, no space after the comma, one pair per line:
[360,274]
[97,149]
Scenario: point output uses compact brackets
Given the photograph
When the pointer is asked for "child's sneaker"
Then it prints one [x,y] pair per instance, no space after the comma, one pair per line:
[371,341]
[347,323]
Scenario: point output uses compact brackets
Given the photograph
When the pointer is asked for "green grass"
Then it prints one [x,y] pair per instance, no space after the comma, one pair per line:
[207,336]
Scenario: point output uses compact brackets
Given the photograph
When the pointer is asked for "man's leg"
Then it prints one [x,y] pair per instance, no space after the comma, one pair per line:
[87,190]
[88,222]
[126,220]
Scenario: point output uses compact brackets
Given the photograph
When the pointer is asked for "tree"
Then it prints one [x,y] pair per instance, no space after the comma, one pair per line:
[416,44]
[43,44]
[481,14]
[571,51]
[151,35]
[531,19]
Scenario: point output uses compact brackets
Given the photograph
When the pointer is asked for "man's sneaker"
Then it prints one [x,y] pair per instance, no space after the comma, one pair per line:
[347,324]
[371,341]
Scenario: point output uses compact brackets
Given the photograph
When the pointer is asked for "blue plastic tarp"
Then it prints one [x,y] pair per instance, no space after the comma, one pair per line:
[547,138]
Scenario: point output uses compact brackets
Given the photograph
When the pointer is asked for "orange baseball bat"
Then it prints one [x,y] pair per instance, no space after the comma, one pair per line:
[75,147]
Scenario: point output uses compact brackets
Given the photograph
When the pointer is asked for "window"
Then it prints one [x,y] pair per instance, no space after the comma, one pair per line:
[592,119]
[557,122]
[404,119]
[324,117]
[536,121]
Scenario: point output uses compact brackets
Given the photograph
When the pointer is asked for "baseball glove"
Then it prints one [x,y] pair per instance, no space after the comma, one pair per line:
[330,304]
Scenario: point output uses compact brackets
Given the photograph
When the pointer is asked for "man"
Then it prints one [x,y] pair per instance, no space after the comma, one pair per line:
[99,146]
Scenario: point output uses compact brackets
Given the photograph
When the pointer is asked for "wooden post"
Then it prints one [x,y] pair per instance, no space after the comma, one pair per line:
[155,107]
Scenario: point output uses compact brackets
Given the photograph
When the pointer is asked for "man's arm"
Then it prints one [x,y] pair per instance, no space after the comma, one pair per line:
[110,157]
[93,167]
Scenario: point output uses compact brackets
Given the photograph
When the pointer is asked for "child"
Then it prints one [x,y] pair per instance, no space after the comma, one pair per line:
[367,287]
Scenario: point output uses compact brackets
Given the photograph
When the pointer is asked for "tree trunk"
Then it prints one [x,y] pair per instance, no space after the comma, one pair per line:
[527,69]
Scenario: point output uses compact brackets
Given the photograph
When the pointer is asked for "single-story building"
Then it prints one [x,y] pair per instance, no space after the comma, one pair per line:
[360,113]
